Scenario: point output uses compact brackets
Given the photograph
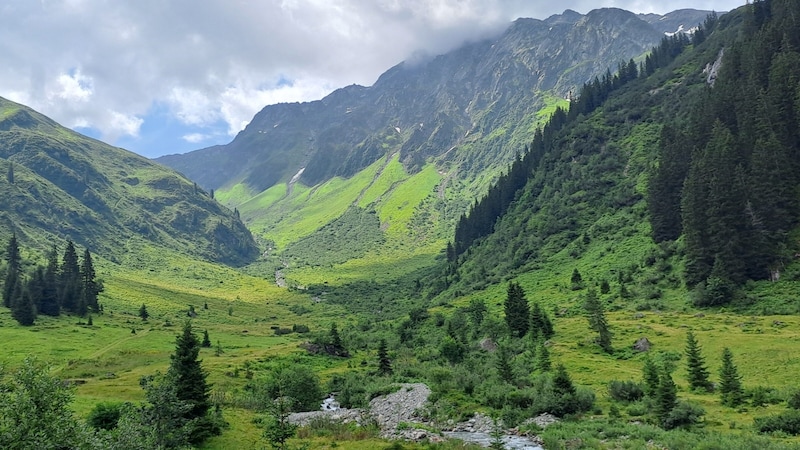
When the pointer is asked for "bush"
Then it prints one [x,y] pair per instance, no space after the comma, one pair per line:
[794,400]
[761,395]
[104,416]
[787,422]
[298,382]
[683,415]
[299,328]
[625,391]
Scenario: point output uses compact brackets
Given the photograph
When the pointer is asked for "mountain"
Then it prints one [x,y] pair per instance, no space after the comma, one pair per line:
[677,182]
[60,185]
[676,21]
[465,115]
[424,108]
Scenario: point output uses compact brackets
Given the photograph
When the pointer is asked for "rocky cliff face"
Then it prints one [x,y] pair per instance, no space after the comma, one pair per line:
[473,107]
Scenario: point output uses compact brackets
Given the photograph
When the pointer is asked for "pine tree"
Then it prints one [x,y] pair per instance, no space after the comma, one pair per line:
[730,383]
[23,309]
[696,365]
[543,358]
[190,381]
[576,280]
[384,363]
[334,338]
[650,376]
[517,310]
[503,364]
[90,287]
[597,320]
[13,270]
[540,326]
[143,312]
[666,397]
[562,383]
[206,341]
[69,283]
[49,303]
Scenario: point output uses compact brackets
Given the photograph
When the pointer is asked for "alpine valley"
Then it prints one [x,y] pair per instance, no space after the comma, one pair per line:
[583,230]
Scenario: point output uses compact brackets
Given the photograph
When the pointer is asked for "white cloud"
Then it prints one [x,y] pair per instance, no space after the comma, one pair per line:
[192,106]
[195,138]
[121,123]
[223,60]
[73,88]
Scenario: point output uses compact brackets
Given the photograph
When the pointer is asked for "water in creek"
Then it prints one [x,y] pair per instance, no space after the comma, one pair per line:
[485,439]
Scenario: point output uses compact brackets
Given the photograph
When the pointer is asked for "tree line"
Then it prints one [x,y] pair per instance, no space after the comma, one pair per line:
[69,285]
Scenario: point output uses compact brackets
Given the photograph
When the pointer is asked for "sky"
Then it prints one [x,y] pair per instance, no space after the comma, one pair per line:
[170,76]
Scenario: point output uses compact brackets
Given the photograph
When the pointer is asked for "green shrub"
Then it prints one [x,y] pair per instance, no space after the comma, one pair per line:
[794,400]
[683,415]
[625,391]
[295,381]
[104,416]
[787,422]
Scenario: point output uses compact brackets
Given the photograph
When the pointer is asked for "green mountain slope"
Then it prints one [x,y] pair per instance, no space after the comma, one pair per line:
[707,163]
[61,185]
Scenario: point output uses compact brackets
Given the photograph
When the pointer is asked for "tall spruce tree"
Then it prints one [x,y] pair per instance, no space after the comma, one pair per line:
[517,310]
[730,383]
[90,287]
[541,326]
[49,303]
[595,314]
[666,397]
[190,382]
[697,373]
[503,364]
[650,376]
[543,363]
[13,270]
[69,279]
[384,363]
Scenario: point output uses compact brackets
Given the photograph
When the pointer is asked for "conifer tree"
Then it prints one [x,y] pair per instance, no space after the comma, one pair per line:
[333,336]
[730,383]
[143,312]
[13,270]
[562,383]
[206,341]
[23,309]
[49,302]
[597,320]
[543,358]
[517,310]
[90,287]
[190,381]
[69,283]
[697,374]
[10,173]
[503,364]
[650,376]
[576,280]
[384,363]
[666,396]
[540,326]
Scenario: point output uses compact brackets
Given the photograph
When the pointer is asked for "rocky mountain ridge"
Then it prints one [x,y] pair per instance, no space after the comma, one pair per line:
[471,108]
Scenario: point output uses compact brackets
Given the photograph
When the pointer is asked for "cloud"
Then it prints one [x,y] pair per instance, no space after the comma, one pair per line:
[196,138]
[73,88]
[108,65]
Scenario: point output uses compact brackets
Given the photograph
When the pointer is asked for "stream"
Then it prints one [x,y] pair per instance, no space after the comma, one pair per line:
[485,439]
